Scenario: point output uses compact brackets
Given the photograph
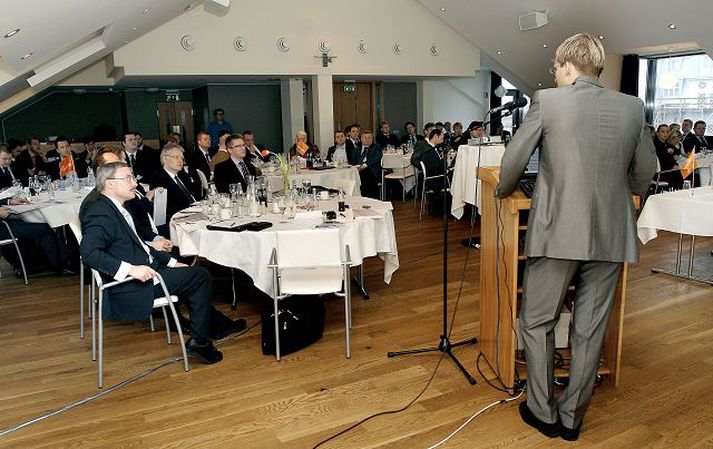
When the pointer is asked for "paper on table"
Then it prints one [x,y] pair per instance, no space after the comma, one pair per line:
[159,207]
[10,192]
[22,208]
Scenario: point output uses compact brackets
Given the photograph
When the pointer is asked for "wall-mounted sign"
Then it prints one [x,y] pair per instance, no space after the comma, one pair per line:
[349,88]
[172,95]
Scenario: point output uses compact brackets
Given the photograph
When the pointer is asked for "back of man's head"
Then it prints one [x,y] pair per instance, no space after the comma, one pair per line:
[584,51]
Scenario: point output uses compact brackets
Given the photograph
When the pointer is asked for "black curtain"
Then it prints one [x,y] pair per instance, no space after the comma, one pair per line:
[495,101]
[630,75]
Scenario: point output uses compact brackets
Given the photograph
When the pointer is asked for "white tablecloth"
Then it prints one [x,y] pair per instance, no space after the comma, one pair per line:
[464,179]
[371,233]
[393,159]
[678,212]
[64,210]
[325,178]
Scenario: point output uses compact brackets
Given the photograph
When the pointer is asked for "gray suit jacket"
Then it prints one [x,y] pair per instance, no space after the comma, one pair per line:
[595,152]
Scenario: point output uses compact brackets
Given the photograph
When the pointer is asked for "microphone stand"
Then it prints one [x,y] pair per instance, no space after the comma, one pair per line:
[445,346]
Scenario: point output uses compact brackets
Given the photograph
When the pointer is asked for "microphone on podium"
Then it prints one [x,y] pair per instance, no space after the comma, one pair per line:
[509,106]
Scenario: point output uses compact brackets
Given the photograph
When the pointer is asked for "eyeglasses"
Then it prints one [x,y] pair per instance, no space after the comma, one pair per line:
[176,156]
[237,146]
[129,178]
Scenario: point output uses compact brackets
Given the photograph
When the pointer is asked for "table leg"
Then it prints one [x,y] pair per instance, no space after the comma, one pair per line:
[690,256]
[678,253]
[677,273]
[359,281]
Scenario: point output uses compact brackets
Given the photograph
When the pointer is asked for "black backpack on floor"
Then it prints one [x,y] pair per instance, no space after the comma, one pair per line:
[301,321]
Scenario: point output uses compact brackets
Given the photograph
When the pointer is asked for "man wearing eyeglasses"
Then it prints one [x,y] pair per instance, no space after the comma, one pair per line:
[111,245]
[235,170]
[182,189]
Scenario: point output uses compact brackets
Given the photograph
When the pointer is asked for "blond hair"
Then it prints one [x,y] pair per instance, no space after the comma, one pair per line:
[584,51]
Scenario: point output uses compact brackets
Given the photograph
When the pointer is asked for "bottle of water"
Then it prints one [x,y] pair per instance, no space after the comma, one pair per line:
[91,182]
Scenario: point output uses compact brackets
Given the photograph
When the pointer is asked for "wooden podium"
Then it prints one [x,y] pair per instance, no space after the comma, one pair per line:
[502,232]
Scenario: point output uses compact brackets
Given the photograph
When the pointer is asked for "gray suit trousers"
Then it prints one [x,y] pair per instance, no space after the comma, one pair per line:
[545,285]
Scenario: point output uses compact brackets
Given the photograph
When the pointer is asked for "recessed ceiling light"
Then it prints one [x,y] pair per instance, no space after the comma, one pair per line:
[12,33]
[136,29]
[26,56]
[539,84]
[126,42]
[601,38]
[544,45]
[672,26]
[500,52]
[147,10]
[443,9]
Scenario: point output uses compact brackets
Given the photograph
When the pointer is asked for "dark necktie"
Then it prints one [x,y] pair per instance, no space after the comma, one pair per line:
[131,160]
[8,173]
[207,157]
[184,189]
[244,170]
[364,152]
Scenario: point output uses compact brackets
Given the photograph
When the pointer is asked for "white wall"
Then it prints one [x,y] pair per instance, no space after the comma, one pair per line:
[456,100]
[303,23]
[611,75]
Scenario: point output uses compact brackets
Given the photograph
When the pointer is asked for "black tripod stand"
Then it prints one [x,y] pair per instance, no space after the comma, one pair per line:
[445,344]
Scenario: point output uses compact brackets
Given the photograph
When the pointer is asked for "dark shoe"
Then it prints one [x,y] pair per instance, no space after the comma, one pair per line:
[569,434]
[207,352]
[66,272]
[222,329]
[548,430]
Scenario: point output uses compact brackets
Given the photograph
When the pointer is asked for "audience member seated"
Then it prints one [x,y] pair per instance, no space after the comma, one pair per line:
[686,127]
[199,158]
[255,151]
[369,165]
[303,148]
[456,135]
[182,190]
[353,144]
[675,141]
[27,233]
[7,172]
[475,130]
[144,163]
[421,146]
[697,140]
[432,158]
[30,162]
[385,137]
[667,158]
[338,151]
[69,161]
[235,170]
[111,246]
[222,152]
[410,138]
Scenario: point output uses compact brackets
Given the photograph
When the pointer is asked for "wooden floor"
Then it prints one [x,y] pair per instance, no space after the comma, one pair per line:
[250,401]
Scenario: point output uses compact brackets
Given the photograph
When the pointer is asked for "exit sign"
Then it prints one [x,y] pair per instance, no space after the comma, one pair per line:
[172,95]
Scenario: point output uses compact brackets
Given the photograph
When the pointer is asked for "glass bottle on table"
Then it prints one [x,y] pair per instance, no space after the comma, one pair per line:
[341,204]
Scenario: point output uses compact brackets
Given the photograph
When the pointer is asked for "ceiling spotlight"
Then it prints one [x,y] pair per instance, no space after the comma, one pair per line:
[443,9]
[544,45]
[601,38]
[12,33]
[671,26]
[147,10]
[539,84]
[26,56]
[499,52]
[135,29]
[126,42]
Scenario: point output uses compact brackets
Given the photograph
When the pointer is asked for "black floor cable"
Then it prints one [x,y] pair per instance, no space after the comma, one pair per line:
[435,369]
[113,388]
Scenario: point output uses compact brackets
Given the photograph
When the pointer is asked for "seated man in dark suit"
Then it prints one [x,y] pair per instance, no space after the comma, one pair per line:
[256,150]
[666,155]
[7,174]
[111,246]
[69,161]
[353,144]
[432,158]
[697,140]
[182,189]
[410,138]
[30,162]
[199,159]
[235,170]
[385,138]
[369,165]
[143,161]
[421,146]
[338,151]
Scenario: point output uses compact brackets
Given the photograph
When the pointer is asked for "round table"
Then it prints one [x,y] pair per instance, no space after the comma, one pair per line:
[64,210]
[370,233]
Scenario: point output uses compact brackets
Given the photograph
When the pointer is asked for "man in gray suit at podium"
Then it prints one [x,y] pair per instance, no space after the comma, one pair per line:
[595,151]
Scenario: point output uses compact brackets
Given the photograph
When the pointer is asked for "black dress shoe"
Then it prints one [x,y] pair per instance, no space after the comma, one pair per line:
[548,430]
[207,352]
[227,327]
[569,434]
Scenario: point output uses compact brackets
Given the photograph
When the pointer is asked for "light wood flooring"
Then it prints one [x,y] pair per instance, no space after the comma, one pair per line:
[250,401]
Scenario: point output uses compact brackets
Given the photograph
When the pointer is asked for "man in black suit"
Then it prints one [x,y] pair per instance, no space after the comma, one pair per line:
[67,160]
[111,246]
[143,162]
[369,165]
[236,169]
[432,158]
[385,138]
[255,150]
[421,146]
[7,174]
[182,190]
[697,139]
[199,159]
[410,137]
[29,162]
[338,151]
[353,144]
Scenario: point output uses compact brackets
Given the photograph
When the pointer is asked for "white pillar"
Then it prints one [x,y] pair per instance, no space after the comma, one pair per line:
[293,109]
[323,106]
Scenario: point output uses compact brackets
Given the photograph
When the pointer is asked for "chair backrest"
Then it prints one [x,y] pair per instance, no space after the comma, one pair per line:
[347,185]
[204,180]
[308,248]
[76,229]
[394,161]
[11,239]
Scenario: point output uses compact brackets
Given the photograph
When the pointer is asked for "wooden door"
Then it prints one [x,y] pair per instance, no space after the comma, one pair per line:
[357,106]
[176,113]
